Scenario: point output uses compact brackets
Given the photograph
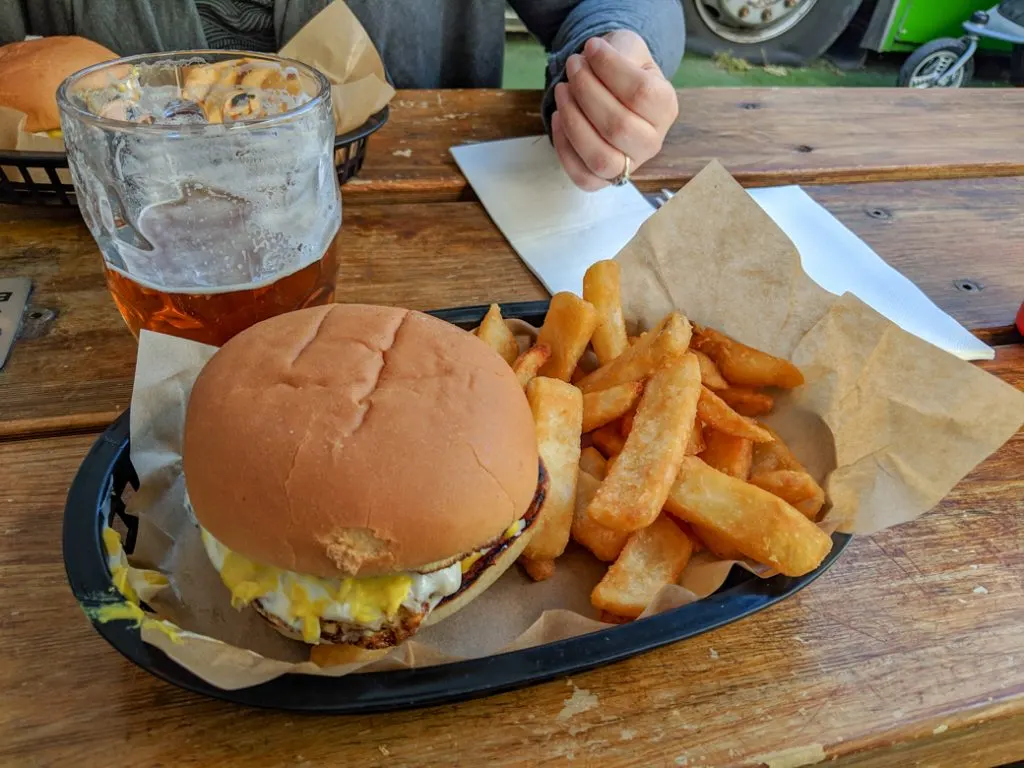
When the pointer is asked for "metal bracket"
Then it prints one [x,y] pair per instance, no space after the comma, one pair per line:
[14,293]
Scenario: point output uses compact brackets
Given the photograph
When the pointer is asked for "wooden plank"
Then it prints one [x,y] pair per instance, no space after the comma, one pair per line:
[893,656]
[764,136]
[426,256]
[929,231]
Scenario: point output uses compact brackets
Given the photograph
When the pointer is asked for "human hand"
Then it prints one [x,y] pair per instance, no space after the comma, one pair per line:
[616,103]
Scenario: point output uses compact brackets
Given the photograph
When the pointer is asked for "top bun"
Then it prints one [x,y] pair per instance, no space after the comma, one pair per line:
[358,440]
[31,72]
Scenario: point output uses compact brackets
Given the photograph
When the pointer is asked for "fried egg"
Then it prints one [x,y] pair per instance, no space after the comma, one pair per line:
[367,603]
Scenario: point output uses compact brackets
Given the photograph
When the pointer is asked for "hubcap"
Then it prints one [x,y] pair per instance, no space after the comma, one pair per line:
[752,21]
[931,72]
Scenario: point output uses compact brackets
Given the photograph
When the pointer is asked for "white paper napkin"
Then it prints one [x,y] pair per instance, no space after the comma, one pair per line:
[555,227]
[559,231]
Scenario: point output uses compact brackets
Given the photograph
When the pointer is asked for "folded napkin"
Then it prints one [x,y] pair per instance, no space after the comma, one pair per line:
[559,231]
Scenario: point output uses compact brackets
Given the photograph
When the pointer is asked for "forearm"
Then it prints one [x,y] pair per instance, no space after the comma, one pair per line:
[659,22]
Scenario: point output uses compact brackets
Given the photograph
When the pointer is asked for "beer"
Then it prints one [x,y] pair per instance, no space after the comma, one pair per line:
[215,315]
[214,207]
[208,265]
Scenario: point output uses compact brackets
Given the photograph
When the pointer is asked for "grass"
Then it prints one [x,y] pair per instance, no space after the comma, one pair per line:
[524,68]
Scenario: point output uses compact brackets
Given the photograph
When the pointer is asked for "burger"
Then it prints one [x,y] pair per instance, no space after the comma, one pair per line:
[358,471]
[31,72]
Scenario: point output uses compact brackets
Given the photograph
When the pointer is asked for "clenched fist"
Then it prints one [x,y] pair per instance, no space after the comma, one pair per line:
[616,103]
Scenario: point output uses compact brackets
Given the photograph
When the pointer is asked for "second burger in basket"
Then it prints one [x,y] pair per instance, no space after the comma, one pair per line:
[360,471]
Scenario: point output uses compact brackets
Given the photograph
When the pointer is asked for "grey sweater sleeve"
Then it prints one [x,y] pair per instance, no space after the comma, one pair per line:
[563,26]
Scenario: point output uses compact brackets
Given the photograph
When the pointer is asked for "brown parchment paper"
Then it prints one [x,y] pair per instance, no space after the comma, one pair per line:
[886,422]
[333,41]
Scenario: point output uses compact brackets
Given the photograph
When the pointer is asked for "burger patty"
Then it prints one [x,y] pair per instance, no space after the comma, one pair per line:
[406,622]
[400,628]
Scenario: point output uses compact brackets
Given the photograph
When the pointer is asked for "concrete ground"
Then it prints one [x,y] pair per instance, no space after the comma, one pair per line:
[524,68]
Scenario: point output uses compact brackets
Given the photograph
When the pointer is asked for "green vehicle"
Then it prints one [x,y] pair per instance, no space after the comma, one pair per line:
[794,32]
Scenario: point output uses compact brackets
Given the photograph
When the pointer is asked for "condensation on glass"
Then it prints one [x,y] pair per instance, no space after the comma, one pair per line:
[207,179]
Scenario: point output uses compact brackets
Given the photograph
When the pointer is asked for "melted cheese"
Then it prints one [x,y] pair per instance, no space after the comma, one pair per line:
[302,601]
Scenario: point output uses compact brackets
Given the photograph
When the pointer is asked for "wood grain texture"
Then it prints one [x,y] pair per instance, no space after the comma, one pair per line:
[764,136]
[78,376]
[894,656]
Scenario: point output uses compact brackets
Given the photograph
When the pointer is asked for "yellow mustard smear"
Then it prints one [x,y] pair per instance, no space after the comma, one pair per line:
[126,611]
[118,571]
[121,573]
[111,542]
[118,612]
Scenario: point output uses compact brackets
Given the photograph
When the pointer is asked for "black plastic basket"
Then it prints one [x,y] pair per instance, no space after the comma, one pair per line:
[106,474]
[34,178]
[18,187]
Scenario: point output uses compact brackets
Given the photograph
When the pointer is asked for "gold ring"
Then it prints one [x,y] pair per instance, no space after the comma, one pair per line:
[623,178]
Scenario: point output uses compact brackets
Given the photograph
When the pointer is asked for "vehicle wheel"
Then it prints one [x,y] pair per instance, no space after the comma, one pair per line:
[927,64]
[788,32]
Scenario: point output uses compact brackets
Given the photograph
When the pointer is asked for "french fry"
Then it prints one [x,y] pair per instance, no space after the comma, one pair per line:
[747,402]
[757,523]
[568,326]
[604,543]
[495,332]
[652,558]
[606,405]
[626,425]
[794,486]
[558,414]
[633,493]
[710,376]
[601,288]
[528,363]
[335,655]
[593,463]
[745,366]
[781,473]
[664,343]
[769,457]
[608,440]
[714,412]
[538,570]
[716,543]
[728,453]
[632,340]
[577,374]
[695,444]
[611,618]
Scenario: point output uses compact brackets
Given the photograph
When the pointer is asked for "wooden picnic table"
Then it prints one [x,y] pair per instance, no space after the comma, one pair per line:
[907,652]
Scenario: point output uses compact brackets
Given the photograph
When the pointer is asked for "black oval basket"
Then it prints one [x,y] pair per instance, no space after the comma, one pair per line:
[34,178]
[95,500]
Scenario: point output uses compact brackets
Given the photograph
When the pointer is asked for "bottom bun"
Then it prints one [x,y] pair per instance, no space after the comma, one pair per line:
[490,574]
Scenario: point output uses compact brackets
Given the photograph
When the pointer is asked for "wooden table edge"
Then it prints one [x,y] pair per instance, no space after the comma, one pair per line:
[455,187]
[973,723]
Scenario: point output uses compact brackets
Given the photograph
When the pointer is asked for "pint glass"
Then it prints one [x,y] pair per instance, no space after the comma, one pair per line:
[207,180]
